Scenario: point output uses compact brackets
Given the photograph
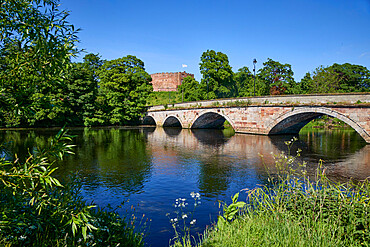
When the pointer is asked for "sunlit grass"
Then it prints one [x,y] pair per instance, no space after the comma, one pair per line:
[293,209]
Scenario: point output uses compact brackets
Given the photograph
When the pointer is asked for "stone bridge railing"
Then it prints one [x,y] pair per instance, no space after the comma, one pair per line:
[267,115]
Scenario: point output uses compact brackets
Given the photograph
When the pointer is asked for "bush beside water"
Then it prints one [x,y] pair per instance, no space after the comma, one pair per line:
[37,210]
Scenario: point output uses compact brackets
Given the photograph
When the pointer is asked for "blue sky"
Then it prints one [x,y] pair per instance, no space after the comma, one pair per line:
[167,34]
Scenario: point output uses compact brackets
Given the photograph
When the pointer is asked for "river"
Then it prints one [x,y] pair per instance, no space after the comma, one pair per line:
[148,168]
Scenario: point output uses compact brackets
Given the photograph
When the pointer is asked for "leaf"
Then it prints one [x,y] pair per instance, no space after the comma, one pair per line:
[235,197]
[84,229]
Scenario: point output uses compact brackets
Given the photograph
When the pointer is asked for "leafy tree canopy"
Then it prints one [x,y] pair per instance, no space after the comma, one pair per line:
[125,86]
[352,77]
[191,89]
[217,74]
[246,85]
[277,77]
[337,78]
[36,43]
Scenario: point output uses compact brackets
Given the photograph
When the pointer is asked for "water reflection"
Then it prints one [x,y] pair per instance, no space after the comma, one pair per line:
[111,158]
[154,166]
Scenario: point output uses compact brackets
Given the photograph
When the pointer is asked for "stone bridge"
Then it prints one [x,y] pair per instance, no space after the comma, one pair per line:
[267,115]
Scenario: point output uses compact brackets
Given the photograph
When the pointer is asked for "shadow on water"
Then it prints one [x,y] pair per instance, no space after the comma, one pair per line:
[172,131]
[210,137]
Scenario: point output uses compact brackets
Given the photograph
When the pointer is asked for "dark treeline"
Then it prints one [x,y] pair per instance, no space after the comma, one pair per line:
[40,86]
[274,78]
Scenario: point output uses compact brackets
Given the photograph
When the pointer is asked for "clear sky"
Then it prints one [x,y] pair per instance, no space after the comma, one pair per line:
[167,34]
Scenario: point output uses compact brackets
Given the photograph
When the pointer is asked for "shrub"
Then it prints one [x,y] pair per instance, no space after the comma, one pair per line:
[37,210]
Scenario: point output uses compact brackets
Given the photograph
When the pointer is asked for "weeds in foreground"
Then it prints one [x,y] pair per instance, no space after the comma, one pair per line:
[293,209]
[184,219]
[37,210]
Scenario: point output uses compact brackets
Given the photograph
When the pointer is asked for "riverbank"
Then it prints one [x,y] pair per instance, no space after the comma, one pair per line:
[293,210]
[326,122]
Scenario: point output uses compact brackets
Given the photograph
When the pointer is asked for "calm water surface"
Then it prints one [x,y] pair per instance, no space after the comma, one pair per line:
[151,167]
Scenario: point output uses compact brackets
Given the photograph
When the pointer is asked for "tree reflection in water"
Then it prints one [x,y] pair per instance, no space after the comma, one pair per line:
[154,166]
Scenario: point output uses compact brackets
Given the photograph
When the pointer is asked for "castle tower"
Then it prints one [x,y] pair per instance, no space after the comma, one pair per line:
[164,82]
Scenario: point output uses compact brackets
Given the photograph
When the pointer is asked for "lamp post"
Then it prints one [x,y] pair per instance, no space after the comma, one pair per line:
[254,70]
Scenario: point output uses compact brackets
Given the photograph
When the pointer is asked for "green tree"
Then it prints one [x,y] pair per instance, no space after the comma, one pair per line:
[336,78]
[244,80]
[93,62]
[80,94]
[217,74]
[36,43]
[191,89]
[277,77]
[125,86]
[324,80]
[352,77]
[304,85]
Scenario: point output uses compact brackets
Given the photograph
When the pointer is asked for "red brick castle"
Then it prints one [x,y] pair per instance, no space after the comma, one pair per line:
[168,81]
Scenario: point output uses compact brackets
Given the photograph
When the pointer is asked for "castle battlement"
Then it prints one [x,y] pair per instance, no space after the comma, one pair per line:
[168,81]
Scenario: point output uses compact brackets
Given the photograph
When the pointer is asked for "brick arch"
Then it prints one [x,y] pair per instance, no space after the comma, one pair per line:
[219,112]
[292,121]
[172,121]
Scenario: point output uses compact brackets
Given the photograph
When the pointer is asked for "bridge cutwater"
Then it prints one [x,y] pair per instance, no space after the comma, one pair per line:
[266,115]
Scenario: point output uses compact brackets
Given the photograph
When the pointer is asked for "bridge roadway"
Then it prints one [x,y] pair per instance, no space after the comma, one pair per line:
[266,115]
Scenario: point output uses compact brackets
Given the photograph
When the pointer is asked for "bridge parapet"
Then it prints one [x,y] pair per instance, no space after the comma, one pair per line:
[319,99]
[268,115]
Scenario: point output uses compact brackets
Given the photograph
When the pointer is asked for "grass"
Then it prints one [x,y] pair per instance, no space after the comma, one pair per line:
[164,98]
[293,209]
[272,229]
[326,122]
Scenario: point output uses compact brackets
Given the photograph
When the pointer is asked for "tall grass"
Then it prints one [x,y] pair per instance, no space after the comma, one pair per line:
[293,209]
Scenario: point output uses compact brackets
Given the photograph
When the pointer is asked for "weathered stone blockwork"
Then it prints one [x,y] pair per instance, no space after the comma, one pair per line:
[168,81]
[267,119]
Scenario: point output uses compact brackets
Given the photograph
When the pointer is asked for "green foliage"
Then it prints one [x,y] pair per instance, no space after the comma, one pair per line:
[124,86]
[81,91]
[191,90]
[36,43]
[295,210]
[163,98]
[343,207]
[305,84]
[37,210]
[217,79]
[277,77]
[183,217]
[337,78]
[352,78]
[244,80]
[230,211]
[324,80]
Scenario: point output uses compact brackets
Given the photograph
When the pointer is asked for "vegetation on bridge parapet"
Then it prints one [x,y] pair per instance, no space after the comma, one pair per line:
[249,102]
